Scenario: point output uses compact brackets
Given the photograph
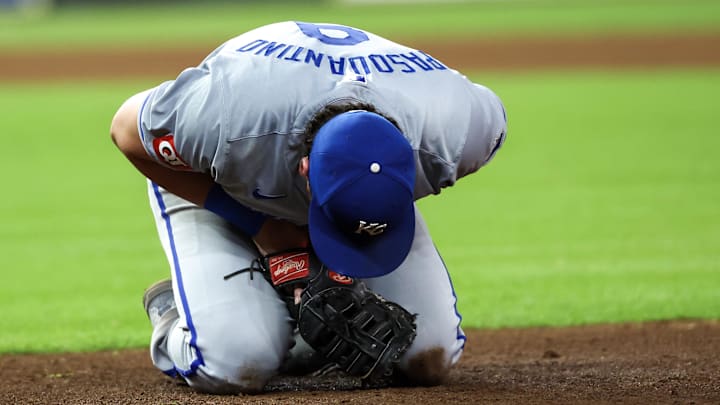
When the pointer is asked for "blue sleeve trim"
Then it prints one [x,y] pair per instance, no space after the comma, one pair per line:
[139,117]
[220,202]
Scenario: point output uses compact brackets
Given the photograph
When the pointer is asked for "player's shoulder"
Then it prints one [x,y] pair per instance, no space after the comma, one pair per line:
[279,29]
[302,33]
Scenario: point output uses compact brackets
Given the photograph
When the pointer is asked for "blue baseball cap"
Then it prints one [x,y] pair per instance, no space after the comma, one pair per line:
[362,176]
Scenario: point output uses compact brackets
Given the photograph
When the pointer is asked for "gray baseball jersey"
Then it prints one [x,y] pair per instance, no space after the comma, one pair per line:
[240,115]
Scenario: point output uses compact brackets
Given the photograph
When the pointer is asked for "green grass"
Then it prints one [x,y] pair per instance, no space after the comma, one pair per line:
[187,24]
[77,238]
[601,207]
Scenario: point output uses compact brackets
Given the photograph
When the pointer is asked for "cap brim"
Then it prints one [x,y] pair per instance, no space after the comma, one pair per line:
[341,254]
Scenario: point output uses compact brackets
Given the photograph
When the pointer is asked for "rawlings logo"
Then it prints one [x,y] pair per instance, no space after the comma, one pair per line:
[165,149]
[339,278]
[288,267]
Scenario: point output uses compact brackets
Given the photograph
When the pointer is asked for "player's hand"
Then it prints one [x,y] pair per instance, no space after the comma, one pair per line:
[297,295]
[277,235]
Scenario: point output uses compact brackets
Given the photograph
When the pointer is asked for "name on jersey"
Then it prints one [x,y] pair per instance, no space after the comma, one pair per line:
[410,62]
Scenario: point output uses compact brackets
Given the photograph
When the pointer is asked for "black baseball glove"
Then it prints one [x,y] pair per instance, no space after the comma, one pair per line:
[351,326]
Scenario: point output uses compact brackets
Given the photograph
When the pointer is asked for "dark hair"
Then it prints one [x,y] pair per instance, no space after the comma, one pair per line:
[332,110]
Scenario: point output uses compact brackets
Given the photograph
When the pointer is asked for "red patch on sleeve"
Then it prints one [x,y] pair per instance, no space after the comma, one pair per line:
[165,149]
[289,267]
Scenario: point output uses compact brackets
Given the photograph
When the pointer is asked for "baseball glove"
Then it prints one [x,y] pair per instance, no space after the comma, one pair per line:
[352,327]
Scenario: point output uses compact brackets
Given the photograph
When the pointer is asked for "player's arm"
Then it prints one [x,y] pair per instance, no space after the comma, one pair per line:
[269,234]
[191,186]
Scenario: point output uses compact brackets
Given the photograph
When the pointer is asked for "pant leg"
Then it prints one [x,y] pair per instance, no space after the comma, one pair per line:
[231,335]
[422,285]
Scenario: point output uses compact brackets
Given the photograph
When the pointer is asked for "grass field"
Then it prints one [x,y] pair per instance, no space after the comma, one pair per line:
[601,207]
[187,24]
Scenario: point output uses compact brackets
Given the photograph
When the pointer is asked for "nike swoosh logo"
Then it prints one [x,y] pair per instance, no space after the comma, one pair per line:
[259,196]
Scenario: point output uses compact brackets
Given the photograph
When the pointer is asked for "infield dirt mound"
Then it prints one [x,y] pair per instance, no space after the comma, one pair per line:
[617,51]
[648,363]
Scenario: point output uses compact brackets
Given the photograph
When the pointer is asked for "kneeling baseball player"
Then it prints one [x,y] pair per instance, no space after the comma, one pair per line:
[282,174]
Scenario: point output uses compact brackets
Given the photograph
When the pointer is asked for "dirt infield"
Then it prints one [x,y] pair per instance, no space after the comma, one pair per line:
[650,363]
[498,54]
[656,362]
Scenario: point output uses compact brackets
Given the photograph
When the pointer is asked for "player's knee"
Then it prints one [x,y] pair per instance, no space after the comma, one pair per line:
[427,368]
[243,366]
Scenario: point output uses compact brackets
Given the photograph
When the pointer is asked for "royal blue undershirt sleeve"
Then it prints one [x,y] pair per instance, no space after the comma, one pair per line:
[220,203]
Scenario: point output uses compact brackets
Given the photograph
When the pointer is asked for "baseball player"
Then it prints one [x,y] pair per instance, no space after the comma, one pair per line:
[301,136]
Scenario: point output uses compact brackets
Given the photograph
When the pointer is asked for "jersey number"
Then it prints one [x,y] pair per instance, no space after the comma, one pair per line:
[333,34]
